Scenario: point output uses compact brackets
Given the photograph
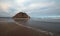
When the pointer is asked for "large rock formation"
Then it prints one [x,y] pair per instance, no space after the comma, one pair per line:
[21,15]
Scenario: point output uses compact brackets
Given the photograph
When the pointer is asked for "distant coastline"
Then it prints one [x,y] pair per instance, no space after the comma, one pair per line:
[5,17]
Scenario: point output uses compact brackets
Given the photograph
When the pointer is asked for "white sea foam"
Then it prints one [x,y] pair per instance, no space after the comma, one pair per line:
[39,30]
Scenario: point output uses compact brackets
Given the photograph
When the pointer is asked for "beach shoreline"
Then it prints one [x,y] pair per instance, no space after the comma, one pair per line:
[16,29]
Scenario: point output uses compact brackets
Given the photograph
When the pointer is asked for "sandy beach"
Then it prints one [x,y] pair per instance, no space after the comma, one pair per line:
[12,29]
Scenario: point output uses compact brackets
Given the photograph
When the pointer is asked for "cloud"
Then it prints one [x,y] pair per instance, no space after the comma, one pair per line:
[40,5]
[20,1]
[4,6]
[32,7]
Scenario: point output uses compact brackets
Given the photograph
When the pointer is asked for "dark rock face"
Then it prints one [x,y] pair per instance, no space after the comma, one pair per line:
[21,15]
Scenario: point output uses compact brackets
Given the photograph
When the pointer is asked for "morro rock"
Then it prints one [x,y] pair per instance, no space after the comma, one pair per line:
[21,15]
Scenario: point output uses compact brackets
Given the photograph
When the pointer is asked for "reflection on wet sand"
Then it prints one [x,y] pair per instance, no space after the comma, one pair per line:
[12,29]
[25,22]
[21,20]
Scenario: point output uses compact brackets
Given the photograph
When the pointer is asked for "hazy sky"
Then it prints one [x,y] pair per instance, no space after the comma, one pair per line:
[34,8]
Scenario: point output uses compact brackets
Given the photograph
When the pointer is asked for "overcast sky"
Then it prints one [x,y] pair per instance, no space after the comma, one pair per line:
[34,8]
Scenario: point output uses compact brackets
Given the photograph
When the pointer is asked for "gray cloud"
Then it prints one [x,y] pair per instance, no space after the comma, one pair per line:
[32,7]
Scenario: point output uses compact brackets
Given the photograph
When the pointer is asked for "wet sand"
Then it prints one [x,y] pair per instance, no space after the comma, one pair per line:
[12,29]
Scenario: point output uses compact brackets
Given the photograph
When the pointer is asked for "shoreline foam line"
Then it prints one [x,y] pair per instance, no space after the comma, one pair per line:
[44,32]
